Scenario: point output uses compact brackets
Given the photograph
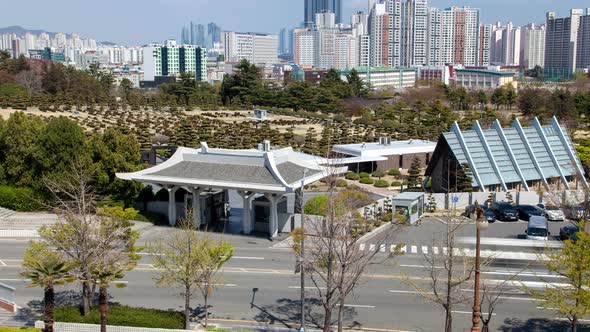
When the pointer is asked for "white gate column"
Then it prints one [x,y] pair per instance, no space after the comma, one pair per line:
[247,197]
[196,206]
[274,214]
[172,205]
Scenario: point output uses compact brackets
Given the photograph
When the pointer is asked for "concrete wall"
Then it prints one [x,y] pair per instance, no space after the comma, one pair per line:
[75,327]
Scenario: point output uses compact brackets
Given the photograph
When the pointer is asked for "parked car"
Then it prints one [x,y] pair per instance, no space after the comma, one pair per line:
[538,228]
[568,232]
[553,213]
[525,212]
[575,212]
[504,211]
[489,215]
[470,210]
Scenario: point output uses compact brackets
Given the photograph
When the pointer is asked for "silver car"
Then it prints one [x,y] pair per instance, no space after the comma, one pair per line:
[553,213]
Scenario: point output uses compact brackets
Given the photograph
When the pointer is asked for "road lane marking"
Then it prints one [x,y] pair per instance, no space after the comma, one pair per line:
[306,287]
[402,249]
[435,250]
[470,312]
[414,249]
[371,247]
[250,258]
[2,263]
[445,251]
[409,292]
[362,328]
[16,280]
[358,306]
[382,248]
[362,247]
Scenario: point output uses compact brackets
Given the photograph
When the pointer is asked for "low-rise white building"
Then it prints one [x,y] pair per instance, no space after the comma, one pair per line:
[386,77]
[482,79]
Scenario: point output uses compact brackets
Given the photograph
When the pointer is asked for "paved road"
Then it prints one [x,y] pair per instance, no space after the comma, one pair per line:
[383,301]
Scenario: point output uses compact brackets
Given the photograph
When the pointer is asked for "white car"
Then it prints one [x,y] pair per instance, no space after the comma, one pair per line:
[553,213]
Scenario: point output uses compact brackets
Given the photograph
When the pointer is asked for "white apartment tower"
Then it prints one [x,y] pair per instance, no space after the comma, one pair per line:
[409,36]
[305,47]
[532,46]
[171,59]
[257,48]
[380,29]
[485,38]
[453,36]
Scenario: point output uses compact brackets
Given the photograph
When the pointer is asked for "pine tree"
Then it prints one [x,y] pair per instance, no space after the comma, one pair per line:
[415,174]
[310,145]
[464,179]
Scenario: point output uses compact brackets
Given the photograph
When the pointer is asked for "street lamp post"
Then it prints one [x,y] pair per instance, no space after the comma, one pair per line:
[302,254]
[481,225]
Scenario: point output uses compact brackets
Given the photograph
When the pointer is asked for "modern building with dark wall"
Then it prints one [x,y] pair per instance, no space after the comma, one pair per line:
[171,60]
[516,158]
[384,155]
[313,7]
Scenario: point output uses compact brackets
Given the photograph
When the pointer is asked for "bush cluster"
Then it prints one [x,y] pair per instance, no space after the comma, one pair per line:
[364,175]
[381,184]
[394,172]
[352,176]
[341,183]
[125,316]
[366,180]
[19,199]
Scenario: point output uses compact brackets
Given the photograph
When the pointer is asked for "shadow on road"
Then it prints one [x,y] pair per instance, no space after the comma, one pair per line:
[287,313]
[539,325]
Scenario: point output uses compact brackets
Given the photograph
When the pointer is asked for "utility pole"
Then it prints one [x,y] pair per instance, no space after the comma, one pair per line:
[481,225]
[302,254]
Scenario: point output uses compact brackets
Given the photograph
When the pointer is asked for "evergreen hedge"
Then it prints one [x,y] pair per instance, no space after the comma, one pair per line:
[124,316]
[367,180]
[381,184]
[20,199]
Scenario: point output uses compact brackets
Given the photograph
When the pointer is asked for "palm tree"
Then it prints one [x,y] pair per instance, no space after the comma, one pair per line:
[47,273]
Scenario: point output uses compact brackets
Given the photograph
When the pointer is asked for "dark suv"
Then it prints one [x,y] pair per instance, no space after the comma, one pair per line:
[525,212]
[504,211]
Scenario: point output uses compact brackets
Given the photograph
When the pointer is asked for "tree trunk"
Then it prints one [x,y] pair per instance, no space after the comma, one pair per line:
[340,310]
[91,294]
[449,320]
[327,319]
[85,297]
[187,308]
[574,323]
[49,298]
[103,306]
[206,310]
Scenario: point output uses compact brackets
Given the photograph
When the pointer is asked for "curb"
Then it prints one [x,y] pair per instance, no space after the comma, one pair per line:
[374,232]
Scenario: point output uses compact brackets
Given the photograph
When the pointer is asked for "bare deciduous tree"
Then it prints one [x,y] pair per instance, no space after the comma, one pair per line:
[334,260]
[447,271]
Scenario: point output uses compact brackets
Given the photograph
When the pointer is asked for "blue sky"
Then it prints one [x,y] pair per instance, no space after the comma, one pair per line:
[142,21]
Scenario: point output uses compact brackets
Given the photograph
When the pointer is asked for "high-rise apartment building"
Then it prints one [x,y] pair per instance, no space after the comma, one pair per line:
[583,52]
[532,46]
[453,36]
[170,60]
[258,48]
[510,45]
[409,31]
[305,47]
[561,44]
[380,27]
[312,7]
[485,38]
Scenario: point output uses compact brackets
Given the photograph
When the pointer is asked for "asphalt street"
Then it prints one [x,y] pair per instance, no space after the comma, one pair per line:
[259,284]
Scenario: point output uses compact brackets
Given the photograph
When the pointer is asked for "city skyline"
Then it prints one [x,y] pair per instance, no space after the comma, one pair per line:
[125,28]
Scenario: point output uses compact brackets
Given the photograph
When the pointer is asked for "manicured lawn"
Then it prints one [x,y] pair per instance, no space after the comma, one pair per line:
[124,316]
[17,329]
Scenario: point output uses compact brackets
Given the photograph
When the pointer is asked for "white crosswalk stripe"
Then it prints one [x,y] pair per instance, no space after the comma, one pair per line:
[424,249]
[362,247]
[371,247]
[445,251]
[414,249]
[435,250]
[382,248]
[402,249]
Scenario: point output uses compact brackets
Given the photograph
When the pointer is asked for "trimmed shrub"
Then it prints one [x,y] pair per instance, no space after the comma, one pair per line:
[18,329]
[367,180]
[316,206]
[394,172]
[364,175]
[352,176]
[125,316]
[341,183]
[396,184]
[381,184]
[20,199]
[378,174]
